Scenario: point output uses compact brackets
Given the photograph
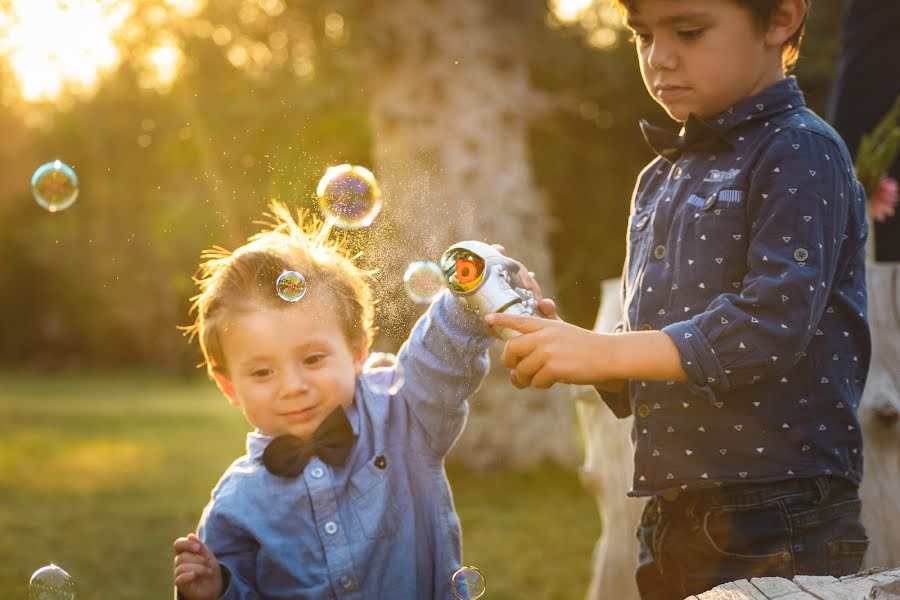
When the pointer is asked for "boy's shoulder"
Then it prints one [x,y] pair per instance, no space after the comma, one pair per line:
[792,127]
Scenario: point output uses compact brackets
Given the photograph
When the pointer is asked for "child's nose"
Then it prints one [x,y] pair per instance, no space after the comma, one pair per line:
[660,55]
[295,381]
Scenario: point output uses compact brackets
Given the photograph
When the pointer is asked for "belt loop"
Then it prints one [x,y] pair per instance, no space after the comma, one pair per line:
[823,485]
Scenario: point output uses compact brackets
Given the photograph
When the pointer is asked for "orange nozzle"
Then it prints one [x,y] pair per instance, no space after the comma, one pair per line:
[468,270]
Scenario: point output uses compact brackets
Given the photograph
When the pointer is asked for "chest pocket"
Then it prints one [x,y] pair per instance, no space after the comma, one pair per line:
[711,256]
[377,498]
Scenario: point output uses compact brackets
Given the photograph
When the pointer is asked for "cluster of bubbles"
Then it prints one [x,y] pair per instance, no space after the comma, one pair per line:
[384,373]
[423,281]
[290,286]
[349,195]
[468,583]
[51,583]
[54,186]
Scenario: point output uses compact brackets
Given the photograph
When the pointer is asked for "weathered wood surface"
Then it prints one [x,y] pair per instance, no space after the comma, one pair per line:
[871,585]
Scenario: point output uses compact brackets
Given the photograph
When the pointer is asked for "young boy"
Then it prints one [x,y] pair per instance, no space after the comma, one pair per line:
[745,345]
[342,492]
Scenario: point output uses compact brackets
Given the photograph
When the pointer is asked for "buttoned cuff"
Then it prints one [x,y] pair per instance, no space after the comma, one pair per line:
[619,404]
[698,359]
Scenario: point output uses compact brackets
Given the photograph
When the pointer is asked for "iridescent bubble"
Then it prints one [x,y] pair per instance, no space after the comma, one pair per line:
[51,583]
[290,286]
[350,196]
[468,583]
[383,373]
[423,281]
[54,186]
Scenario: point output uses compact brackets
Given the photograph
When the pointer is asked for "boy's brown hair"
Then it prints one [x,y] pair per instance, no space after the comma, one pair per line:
[238,281]
[762,12]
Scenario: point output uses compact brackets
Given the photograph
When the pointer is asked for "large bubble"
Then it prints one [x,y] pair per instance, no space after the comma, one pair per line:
[468,583]
[290,286]
[51,583]
[349,196]
[423,281]
[54,186]
[383,373]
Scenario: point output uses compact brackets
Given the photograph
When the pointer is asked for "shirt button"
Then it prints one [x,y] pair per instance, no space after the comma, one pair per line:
[659,251]
[710,202]
[676,173]
[671,496]
[801,254]
[330,527]
[347,582]
[646,327]
[643,411]
[317,472]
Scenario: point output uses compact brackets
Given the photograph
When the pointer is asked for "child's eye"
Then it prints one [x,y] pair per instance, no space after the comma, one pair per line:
[313,359]
[260,373]
[690,34]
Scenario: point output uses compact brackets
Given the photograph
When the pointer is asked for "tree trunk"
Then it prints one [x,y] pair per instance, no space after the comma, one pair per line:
[878,413]
[449,102]
[607,473]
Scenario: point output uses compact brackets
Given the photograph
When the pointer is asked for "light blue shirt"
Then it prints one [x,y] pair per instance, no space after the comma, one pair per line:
[384,524]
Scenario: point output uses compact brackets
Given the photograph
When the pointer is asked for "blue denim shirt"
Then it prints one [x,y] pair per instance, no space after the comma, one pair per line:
[751,257]
[384,524]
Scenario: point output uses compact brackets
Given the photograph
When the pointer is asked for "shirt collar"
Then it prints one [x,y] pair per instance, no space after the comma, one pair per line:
[257,441]
[782,96]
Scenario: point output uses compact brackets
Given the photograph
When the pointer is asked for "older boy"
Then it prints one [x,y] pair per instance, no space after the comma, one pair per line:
[745,344]
[342,492]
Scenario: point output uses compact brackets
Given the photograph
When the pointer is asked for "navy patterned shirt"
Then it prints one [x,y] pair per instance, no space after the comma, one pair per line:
[748,249]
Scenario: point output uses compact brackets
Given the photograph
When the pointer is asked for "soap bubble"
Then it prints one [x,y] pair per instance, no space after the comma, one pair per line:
[350,196]
[423,281]
[468,583]
[383,372]
[54,186]
[51,583]
[290,286]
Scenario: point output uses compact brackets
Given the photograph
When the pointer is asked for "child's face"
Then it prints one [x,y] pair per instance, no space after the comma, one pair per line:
[702,56]
[288,368]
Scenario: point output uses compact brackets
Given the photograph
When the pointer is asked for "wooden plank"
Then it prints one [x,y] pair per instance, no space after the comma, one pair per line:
[774,587]
[726,591]
[751,590]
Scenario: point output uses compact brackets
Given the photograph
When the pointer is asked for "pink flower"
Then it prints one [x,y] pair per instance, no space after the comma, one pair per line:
[883,201]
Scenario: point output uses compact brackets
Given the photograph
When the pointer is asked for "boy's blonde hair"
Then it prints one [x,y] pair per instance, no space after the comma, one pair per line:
[761,11]
[238,281]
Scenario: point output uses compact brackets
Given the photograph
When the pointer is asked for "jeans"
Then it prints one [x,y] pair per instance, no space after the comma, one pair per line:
[692,541]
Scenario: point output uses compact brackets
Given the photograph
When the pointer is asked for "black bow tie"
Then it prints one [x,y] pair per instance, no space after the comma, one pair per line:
[671,145]
[287,455]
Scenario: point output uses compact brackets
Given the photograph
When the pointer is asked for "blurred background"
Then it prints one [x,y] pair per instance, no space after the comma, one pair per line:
[511,121]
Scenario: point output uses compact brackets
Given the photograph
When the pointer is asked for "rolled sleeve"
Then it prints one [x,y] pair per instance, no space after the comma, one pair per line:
[698,359]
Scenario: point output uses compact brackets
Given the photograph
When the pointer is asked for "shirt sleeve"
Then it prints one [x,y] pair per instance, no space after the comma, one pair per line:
[445,360]
[235,551]
[798,204]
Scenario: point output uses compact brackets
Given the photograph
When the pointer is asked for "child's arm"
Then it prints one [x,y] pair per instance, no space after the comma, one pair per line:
[551,351]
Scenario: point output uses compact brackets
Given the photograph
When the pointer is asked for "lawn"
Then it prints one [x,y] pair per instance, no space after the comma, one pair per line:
[100,474]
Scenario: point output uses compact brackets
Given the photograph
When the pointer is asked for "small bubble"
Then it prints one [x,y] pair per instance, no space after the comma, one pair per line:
[290,286]
[383,373]
[350,196]
[423,281]
[51,583]
[468,583]
[54,186]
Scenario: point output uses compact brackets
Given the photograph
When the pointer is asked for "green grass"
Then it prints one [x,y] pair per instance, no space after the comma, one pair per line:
[100,474]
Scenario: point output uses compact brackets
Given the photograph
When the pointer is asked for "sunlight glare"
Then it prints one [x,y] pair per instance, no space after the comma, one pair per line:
[569,11]
[53,45]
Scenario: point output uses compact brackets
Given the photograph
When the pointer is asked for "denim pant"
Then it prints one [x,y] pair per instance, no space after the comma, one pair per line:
[695,540]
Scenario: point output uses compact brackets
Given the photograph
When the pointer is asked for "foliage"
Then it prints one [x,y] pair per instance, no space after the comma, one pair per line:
[878,149]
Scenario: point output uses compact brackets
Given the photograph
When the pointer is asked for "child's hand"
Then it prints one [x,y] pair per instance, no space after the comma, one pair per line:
[197,573]
[546,306]
[550,351]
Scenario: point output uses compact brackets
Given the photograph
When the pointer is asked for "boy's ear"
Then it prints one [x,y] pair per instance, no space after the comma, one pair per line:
[226,386]
[787,17]
[360,352]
